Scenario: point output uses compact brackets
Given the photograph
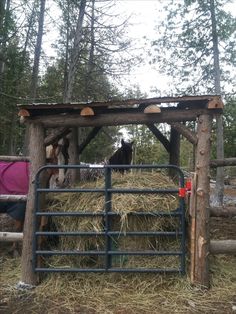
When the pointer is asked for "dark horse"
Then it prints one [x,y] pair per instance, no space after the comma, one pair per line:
[123,156]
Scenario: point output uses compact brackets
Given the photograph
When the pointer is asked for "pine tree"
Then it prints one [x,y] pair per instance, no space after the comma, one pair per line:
[200,38]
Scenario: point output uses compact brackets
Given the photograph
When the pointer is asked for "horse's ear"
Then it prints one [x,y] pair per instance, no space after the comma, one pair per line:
[122,142]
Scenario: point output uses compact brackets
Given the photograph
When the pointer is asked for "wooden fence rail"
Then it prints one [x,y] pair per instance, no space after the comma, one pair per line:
[11,236]
[223,246]
[229,211]
[223,162]
[14,158]
[13,198]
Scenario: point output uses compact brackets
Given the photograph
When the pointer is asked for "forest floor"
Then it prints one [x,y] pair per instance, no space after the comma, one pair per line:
[126,293]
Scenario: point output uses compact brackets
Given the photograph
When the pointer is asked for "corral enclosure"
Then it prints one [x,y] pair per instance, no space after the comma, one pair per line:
[172,110]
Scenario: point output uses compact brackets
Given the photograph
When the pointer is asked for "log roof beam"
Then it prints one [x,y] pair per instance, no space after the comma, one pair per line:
[123,118]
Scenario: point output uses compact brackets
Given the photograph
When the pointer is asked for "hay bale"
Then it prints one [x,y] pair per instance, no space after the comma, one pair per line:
[124,204]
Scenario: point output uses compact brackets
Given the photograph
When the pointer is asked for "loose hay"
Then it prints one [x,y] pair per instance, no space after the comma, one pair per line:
[120,293]
[124,204]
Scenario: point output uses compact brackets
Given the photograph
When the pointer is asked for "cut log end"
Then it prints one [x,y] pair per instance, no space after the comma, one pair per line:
[215,103]
[152,109]
[23,113]
[87,111]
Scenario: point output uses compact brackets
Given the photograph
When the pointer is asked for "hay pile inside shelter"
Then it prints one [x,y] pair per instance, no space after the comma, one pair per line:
[124,204]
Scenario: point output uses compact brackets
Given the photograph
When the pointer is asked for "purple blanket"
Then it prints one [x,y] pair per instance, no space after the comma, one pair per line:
[14,177]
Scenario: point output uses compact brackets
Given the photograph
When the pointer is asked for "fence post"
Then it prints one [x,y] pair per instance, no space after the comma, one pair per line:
[37,157]
[201,247]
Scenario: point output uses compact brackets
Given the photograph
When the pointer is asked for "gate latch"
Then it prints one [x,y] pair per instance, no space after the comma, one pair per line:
[186,190]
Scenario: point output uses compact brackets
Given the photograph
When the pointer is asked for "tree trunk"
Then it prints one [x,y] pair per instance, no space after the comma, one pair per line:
[90,65]
[37,51]
[65,79]
[73,148]
[219,190]
[35,72]
[75,53]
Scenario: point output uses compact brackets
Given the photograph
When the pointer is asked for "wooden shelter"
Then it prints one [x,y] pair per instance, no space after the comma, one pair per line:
[172,110]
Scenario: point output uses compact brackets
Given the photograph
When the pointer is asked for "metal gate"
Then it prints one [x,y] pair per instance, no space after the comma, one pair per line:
[110,253]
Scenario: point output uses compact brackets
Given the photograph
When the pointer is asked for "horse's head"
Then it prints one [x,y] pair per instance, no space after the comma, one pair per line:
[57,154]
[123,156]
[126,146]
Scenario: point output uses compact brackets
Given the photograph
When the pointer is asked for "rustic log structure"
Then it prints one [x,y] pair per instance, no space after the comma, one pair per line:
[172,110]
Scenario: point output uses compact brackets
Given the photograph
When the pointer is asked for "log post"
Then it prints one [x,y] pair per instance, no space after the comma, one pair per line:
[72,174]
[201,264]
[174,150]
[37,157]
[174,147]
[192,227]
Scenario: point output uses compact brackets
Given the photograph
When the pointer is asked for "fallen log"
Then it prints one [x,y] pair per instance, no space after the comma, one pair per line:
[223,246]
[222,211]
[11,236]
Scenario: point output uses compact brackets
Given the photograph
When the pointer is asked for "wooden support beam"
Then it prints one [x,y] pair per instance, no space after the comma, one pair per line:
[73,174]
[223,211]
[223,246]
[183,130]
[89,138]
[11,236]
[14,158]
[165,142]
[201,262]
[174,147]
[56,136]
[13,198]
[108,119]
[223,162]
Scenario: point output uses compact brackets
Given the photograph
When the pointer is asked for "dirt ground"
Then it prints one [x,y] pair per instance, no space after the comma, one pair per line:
[128,293]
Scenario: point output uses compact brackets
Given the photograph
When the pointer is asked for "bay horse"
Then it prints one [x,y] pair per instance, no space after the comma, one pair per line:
[123,156]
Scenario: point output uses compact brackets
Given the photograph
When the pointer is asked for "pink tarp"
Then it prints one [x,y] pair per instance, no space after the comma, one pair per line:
[14,177]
